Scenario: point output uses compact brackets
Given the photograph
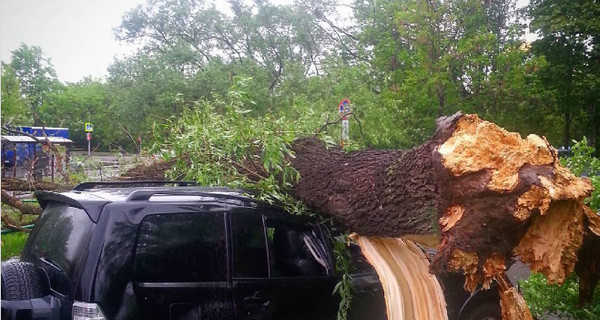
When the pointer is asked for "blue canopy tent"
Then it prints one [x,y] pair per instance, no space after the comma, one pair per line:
[24,151]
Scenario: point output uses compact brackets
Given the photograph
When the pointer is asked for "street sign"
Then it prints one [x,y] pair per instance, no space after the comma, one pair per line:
[344,108]
[89,136]
[89,127]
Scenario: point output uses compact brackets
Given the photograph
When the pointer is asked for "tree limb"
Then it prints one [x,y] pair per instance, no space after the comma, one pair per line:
[16,203]
[10,224]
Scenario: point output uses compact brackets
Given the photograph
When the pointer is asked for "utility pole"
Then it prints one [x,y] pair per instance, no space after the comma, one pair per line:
[344,110]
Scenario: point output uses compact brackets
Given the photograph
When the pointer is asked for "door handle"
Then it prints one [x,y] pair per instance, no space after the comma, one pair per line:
[259,297]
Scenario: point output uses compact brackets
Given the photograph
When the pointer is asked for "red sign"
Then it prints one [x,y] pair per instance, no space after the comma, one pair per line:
[344,108]
[89,136]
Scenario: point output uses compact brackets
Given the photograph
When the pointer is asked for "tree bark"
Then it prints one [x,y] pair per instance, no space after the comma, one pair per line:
[374,192]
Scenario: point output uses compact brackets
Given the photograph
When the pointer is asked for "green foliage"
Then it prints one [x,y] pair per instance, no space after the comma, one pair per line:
[345,287]
[402,64]
[220,143]
[78,103]
[13,243]
[36,76]
[570,36]
[560,300]
[14,110]
[222,138]
[583,163]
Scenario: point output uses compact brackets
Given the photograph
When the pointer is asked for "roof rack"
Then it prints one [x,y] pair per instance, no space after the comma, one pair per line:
[139,183]
[223,193]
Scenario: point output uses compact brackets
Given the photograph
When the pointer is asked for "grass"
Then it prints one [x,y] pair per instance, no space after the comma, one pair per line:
[12,244]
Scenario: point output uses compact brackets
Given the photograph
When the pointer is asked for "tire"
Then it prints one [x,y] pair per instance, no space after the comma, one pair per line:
[21,281]
[487,310]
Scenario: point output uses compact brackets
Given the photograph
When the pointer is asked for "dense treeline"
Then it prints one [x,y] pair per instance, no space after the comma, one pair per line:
[401,63]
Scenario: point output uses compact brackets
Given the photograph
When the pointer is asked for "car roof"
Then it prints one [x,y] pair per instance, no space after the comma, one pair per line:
[92,196]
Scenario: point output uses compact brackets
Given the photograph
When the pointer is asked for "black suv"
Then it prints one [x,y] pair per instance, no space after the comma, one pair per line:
[136,251]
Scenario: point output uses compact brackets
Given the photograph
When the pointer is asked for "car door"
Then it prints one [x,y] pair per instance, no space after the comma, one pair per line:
[282,268]
[180,267]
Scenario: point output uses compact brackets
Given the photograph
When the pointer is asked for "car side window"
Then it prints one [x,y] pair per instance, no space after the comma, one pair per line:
[63,235]
[296,250]
[184,247]
[249,246]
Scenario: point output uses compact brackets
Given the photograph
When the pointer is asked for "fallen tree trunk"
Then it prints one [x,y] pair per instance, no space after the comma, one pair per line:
[487,193]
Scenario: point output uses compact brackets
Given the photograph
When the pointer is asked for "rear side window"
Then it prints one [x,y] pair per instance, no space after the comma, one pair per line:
[181,248]
[63,235]
[249,246]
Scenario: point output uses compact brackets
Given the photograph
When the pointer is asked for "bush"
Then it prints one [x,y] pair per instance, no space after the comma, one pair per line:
[543,298]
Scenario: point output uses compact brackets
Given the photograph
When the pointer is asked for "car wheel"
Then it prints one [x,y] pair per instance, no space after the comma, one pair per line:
[21,281]
[489,310]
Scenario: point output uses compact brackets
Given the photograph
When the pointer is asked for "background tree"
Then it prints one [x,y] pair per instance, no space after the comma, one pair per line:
[570,42]
[36,76]
[14,109]
[77,103]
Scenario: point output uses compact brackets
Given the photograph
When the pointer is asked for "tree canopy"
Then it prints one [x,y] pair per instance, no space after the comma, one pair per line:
[401,63]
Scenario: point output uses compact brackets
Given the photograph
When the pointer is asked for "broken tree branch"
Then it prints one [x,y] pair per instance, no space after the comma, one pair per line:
[18,204]
[328,123]
[13,184]
[10,224]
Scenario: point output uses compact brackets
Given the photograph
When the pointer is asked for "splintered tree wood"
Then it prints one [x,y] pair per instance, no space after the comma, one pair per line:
[411,292]
[512,303]
[488,193]
[587,267]
[512,193]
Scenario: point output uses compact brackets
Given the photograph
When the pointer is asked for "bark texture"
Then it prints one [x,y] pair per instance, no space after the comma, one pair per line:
[485,193]
[374,192]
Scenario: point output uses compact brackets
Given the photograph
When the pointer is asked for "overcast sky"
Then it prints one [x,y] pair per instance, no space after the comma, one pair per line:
[77,35]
